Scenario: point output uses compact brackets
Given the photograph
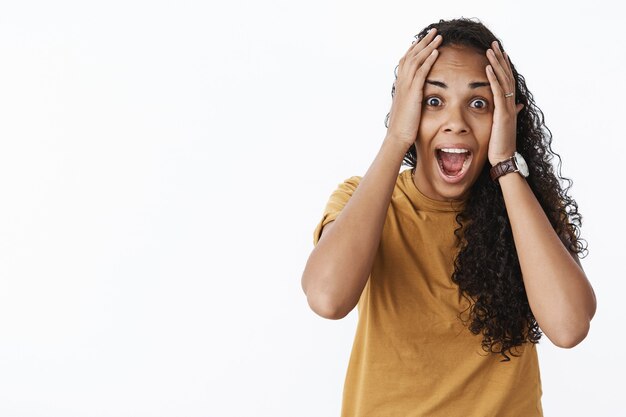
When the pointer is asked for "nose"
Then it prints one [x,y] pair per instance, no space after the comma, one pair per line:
[455,122]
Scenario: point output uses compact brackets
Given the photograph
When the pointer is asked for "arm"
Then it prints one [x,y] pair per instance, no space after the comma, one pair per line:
[337,269]
[559,294]
[339,266]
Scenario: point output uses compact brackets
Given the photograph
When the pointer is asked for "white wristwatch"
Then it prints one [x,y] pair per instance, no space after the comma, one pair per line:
[516,163]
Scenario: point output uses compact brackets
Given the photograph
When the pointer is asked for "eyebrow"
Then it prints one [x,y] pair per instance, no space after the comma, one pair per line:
[476,84]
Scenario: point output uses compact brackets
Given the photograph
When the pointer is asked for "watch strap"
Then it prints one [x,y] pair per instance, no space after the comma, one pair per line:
[502,168]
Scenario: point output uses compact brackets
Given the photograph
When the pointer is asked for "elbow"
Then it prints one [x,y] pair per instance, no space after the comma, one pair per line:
[322,304]
[571,338]
[323,298]
[324,308]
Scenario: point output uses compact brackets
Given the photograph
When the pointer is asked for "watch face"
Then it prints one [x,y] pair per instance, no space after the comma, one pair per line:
[521,164]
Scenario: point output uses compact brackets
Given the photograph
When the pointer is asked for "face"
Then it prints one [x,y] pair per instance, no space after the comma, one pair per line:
[455,124]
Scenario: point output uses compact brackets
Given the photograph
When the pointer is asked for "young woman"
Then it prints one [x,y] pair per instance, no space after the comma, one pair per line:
[457,263]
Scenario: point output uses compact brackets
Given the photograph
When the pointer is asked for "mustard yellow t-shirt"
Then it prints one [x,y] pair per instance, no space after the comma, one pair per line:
[412,356]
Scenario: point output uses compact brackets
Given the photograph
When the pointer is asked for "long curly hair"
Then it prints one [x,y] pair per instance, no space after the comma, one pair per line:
[487,268]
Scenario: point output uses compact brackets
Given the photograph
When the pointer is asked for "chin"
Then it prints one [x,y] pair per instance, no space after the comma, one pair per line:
[449,185]
[455,187]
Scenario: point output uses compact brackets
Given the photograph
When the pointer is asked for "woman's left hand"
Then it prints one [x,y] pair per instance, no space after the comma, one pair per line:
[503,131]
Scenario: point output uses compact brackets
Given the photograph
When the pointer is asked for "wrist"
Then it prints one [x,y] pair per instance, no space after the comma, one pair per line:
[495,160]
[515,163]
[398,143]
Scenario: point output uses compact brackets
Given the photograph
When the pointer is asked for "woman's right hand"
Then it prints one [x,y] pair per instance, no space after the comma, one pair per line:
[406,108]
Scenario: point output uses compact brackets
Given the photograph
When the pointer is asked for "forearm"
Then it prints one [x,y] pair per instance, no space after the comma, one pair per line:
[560,296]
[339,266]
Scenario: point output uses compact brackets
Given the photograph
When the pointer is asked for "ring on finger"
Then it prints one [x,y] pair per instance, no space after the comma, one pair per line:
[507,95]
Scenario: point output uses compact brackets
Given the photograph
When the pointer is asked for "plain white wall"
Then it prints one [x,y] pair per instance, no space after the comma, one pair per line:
[163,165]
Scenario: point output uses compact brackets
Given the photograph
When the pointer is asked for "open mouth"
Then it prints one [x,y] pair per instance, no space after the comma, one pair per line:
[453,162]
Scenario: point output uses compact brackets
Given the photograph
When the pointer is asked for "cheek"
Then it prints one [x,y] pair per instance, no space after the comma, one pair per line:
[482,130]
[423,144]
[427,130]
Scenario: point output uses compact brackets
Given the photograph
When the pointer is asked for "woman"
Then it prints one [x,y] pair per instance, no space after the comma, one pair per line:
[457,263]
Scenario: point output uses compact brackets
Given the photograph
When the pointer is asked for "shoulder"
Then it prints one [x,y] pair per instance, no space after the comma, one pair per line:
[345,189]
[337,201]
[350,183]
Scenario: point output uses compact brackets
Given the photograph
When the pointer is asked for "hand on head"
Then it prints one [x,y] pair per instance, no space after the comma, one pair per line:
[412,70]
[502,143]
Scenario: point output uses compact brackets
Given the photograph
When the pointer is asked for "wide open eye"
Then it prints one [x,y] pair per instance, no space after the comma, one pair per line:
[433,101]
[479,103]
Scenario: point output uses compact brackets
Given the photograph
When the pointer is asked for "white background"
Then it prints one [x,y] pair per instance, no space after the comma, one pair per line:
[163,165]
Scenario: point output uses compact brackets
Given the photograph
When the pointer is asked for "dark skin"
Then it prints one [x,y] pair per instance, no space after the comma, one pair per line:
[457,99]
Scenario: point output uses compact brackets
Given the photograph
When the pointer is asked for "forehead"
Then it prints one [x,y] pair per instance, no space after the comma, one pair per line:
[459,62]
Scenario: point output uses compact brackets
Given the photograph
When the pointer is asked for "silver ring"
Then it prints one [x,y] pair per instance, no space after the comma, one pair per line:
[507,95]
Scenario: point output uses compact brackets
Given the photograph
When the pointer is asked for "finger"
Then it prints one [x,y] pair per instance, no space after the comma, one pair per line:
[503,78]
[498,66]
[416,44]
[416,48]
[424,41]
[413,63]
[420,54]
[496,88]
[421,74]
[504,61]
[508,63]
[495,47]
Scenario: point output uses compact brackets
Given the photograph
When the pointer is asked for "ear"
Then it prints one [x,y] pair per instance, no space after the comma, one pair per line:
[518,108]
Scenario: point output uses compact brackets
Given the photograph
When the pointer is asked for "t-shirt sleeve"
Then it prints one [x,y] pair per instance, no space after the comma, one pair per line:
[337,201]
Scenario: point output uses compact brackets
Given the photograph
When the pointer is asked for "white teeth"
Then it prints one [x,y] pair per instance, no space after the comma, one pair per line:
[454,150]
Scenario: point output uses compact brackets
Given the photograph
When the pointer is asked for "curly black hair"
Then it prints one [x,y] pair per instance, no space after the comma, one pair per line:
[487,268]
